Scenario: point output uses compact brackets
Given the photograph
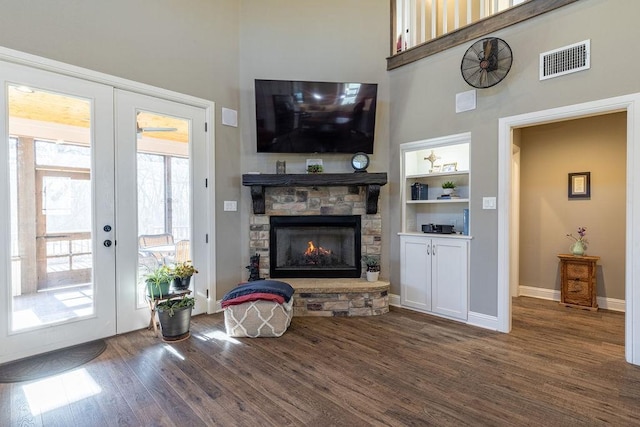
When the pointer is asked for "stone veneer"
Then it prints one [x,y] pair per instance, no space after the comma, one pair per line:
[313,201]
[337,297]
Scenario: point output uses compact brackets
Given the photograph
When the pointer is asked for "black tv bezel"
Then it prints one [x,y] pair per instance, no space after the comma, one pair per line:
[370,146]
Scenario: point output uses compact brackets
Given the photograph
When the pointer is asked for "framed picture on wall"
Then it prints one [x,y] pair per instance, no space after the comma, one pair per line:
[580,185]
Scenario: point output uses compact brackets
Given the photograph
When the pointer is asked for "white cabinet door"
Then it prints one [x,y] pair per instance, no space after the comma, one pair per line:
[449,277]
[415,273]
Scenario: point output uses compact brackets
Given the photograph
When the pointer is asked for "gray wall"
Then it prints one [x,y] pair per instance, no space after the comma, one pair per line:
[422,106]
[329,40]
[214,49]
[186,46]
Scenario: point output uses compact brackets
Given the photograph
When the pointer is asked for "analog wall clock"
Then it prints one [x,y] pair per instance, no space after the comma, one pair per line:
[360,162]
[486,62]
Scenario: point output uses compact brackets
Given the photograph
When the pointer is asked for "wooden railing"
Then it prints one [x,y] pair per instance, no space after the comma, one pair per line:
[420,28]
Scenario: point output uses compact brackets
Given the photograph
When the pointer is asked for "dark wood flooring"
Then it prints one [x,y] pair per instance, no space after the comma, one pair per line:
[559,367]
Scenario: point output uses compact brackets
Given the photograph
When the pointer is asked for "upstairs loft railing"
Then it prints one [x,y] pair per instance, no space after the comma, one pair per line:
[420,28]
[418,21]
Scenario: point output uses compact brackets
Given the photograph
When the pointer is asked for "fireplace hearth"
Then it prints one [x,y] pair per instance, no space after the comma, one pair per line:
[315,246]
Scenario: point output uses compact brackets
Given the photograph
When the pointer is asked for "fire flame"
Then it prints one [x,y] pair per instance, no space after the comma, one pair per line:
[313,250]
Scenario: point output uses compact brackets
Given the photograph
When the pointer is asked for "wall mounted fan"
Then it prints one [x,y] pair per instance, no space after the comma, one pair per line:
[486,62]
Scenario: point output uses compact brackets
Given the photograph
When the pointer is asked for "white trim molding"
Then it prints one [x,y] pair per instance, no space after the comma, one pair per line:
[482,321]
[627,103]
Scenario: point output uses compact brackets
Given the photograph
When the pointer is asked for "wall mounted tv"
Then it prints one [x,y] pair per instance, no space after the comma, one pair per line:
[315,117]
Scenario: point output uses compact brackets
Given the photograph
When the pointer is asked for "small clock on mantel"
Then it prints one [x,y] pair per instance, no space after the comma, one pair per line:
[360,162]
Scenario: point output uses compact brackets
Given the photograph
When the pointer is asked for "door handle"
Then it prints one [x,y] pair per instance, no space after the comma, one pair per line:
[107,243]
[107,228]
[428,249]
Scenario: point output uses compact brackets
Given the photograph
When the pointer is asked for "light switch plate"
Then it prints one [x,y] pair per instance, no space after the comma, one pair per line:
[488,203]
[230,205]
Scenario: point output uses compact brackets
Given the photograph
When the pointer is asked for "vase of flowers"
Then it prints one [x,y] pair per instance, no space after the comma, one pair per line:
[579,245]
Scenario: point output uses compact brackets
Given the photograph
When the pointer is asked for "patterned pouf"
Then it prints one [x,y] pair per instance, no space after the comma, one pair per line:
[258,319]
[261,308]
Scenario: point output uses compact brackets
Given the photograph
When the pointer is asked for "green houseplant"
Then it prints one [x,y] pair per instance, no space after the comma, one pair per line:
[175,317]
[159,281]
[448,187]
[182,272]
[315,169]
[373,267]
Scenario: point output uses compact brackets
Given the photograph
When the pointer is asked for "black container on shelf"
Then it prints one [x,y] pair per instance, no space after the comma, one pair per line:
[419,191]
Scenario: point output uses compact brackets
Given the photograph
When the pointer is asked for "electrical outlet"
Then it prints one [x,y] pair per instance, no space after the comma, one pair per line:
[230,205]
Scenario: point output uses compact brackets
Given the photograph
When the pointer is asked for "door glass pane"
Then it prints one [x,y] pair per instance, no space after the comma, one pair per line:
[164,193]
[51,213]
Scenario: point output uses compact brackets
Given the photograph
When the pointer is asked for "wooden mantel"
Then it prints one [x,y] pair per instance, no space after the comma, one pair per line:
[258,183]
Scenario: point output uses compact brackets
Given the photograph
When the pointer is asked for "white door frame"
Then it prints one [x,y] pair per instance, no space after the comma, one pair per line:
[17,57]
[628,103]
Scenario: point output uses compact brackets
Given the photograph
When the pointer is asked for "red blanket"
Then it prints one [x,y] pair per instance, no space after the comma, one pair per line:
[253,297]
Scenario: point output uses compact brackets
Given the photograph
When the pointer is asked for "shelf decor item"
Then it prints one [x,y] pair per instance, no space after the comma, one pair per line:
[579,245]
[314,166]
[448,187]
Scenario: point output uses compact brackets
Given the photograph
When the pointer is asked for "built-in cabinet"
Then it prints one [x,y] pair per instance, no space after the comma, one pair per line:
[434,275]
[434,266]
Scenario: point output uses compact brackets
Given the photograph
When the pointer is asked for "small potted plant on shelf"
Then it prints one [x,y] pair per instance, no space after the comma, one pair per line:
[158,281]
[182,272]
[448,187]
[373,267]
[175,317]
[315,169]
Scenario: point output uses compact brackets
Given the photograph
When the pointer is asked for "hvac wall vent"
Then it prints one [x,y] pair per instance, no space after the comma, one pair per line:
[565,60]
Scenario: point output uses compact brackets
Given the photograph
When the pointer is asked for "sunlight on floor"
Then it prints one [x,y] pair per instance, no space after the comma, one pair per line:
[174,352]
[218,335]
[54,392]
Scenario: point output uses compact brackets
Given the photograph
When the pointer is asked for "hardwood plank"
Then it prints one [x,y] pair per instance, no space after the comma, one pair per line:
[559,366]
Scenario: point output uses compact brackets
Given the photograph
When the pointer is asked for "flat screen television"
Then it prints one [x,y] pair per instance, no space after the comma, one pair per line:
[315,117]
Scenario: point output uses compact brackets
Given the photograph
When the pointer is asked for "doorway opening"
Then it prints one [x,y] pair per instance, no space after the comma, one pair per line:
[507,128]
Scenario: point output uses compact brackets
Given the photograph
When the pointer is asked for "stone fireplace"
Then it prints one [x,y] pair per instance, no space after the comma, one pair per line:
[324,246]
[304,199]
[327,202]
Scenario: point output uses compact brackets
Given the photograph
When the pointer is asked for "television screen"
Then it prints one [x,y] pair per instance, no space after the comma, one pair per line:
[315,117]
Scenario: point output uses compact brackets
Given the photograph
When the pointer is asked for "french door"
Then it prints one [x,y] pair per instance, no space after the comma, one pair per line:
[57,271]
[162,202]
[88,170]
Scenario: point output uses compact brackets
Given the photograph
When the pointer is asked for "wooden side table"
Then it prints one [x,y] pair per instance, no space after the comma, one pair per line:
[578,281]
[153,302]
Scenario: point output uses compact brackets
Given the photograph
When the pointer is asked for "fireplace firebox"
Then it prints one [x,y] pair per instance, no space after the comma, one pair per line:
[314,246]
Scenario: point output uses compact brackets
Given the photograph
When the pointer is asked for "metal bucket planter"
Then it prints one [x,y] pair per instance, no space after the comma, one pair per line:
[176,327]
[181,283]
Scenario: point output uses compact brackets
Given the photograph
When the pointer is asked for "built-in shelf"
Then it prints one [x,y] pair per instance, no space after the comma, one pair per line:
[372,182]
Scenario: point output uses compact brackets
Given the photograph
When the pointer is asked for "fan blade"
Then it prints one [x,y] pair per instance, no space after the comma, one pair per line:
[488,44]
[152,129]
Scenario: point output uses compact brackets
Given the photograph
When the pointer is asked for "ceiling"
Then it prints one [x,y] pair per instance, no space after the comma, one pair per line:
[51,107]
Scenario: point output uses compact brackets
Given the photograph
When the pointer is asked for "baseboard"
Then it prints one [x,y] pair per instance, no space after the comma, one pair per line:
[394,300]
[482,321]
[542,293]
[553,295]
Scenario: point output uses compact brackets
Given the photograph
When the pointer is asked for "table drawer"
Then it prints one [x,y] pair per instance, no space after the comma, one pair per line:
[577,271]
[578,292]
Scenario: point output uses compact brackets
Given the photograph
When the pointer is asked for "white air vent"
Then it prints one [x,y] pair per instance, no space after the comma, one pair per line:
[565,60]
